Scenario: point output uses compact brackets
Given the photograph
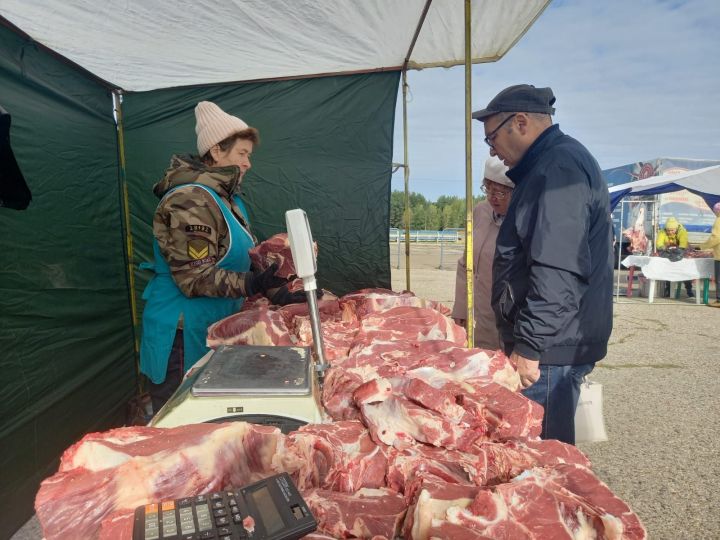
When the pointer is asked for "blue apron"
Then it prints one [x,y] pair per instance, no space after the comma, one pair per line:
[164,302]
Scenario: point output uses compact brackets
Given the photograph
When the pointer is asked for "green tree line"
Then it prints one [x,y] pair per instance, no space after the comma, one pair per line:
[445,213]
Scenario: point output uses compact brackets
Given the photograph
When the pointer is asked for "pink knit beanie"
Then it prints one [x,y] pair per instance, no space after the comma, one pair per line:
[213,125]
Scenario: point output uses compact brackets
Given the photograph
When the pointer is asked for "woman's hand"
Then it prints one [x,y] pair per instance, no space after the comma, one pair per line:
[261,282]
[282,296]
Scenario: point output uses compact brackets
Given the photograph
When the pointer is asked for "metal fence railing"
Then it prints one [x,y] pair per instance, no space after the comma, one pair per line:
[437,237]
[447,245]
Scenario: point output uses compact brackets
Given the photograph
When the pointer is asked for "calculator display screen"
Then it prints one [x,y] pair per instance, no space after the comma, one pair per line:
[268,511]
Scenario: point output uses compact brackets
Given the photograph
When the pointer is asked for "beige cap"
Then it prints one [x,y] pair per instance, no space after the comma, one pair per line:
[495,171]
[213,125]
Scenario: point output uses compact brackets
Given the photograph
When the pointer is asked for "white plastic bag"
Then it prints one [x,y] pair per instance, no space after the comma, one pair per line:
[589,420]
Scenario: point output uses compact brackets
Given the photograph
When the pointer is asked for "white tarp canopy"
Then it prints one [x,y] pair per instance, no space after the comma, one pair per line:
[144,45]
[704,182]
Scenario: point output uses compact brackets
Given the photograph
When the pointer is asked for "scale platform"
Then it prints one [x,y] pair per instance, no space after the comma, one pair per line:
[259,384]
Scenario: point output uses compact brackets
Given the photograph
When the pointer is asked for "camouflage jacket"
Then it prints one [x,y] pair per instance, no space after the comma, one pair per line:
[188,221]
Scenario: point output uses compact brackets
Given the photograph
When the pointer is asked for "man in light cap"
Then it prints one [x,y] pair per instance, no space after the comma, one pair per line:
[202,237]
[552,273]
[487,217]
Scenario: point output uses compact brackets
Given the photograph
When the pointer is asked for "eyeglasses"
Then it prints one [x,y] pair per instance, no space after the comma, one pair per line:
[498,194]
[491,136]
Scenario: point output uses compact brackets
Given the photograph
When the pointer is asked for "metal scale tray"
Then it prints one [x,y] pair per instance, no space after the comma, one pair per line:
[255,369]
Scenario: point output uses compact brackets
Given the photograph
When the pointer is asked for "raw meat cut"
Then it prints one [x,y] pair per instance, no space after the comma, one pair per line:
[409,324]
[338,327]
[502,413]
[109,474]
[261,326]
[564,501]
[399,422]
[436,362]
[368,513]
[698,254]
[433,498]
[486,463]
[367,301]
[275,249]
[410,467]
[448,416]
[340,456]
[355,486]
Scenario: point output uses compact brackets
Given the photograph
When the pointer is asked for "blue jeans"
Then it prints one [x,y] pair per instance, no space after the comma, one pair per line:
[558,391]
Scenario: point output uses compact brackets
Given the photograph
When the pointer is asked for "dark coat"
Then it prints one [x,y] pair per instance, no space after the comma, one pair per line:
[553,274]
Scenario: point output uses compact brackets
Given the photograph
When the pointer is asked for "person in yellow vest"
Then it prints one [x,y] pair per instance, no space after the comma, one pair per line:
[714,243]
[673,236]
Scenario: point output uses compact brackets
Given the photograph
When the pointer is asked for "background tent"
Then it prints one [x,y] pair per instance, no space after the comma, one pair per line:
[318,78]
[703,182]
[683,188]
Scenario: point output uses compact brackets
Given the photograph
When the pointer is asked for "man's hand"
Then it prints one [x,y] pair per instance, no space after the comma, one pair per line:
[529,370]
[459,322]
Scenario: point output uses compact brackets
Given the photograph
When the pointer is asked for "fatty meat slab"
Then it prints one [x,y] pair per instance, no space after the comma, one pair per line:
[105,476]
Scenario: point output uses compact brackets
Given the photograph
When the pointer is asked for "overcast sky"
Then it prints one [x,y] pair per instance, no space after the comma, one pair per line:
[634,80]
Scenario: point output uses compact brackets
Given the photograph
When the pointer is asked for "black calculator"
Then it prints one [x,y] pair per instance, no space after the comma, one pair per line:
[271,509]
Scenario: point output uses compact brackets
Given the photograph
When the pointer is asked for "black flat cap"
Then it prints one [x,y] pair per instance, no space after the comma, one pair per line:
[519,98]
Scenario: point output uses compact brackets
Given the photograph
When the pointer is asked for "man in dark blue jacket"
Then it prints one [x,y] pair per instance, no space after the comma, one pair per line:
[552,273]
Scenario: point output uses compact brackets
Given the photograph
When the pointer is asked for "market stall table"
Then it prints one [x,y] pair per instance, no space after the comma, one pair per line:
[660,268]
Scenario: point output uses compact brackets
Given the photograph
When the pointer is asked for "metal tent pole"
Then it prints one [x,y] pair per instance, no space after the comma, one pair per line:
[406,174]
[125,201]
[406,166]
[468,177]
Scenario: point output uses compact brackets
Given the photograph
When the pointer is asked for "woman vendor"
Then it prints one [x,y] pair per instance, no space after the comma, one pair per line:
[201,242]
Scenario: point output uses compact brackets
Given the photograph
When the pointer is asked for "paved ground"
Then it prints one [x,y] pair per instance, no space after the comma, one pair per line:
[662,409]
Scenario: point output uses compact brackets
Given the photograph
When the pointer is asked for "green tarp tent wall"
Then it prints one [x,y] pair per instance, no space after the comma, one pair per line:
[66,334]
[326,147]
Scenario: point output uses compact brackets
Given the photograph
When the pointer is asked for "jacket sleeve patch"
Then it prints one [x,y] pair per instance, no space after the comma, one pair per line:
[201,262]
[198,229]
[198,248]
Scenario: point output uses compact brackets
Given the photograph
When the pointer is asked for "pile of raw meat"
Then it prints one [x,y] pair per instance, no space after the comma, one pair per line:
[425,439]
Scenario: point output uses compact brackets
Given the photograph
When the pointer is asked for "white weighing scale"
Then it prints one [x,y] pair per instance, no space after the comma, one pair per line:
[279,386]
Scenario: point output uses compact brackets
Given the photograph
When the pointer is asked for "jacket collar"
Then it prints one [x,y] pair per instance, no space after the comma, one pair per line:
[187,169]
[533,153]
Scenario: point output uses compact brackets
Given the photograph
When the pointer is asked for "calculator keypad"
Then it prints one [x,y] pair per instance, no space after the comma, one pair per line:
[215,516]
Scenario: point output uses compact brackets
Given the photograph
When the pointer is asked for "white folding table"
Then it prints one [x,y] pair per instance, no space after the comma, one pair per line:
[662,269]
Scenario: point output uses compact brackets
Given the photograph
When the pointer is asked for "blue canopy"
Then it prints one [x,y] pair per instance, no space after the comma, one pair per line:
[703,182]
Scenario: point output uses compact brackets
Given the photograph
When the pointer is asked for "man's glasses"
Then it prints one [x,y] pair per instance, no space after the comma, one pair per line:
[491,136]
[497,193]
